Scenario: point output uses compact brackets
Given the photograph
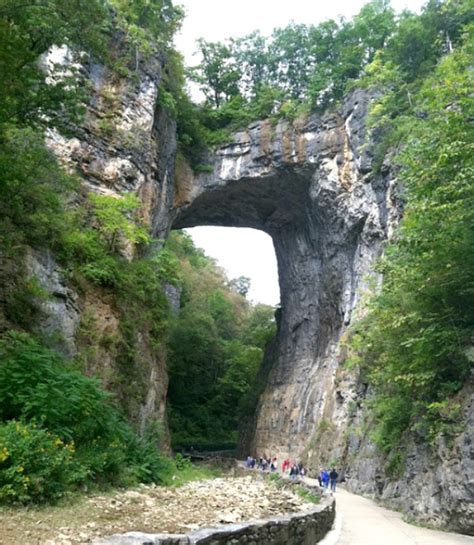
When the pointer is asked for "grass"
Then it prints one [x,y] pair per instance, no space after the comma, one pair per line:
[193,473]
[302,492]
[307,495]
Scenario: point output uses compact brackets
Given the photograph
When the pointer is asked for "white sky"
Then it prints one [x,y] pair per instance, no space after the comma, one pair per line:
[246,252]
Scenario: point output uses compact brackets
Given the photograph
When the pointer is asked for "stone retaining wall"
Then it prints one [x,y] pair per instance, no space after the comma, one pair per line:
[297,529]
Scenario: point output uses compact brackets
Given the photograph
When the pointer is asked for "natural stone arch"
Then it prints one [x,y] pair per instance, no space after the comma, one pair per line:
[310,187]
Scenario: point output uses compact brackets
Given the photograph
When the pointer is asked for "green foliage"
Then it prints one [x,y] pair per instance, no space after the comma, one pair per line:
[21,306]
[275,76]
[218,74]
[182,462]
[34,385]
[116,218]
[307,495]
[35,465]
[413,342]
[31,185]
[302,68]
[149,24]
[216,347]
[51,406]
[241,285]
[44,403]
[29,30]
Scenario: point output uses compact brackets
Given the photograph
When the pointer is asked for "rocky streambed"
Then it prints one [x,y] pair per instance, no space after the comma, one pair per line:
[151,509]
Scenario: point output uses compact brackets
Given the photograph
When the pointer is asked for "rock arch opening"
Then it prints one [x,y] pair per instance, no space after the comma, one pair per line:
[243,253]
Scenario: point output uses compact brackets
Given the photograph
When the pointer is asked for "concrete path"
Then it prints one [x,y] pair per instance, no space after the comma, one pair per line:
[360,521]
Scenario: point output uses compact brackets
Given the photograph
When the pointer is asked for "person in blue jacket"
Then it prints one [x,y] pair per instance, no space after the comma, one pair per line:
[325,478]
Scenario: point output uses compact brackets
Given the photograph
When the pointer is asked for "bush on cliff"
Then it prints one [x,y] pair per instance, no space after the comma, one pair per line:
[61,429]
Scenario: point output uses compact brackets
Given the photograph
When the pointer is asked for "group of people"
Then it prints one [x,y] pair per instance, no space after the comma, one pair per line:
[264,463]
[328,478]
[294,469]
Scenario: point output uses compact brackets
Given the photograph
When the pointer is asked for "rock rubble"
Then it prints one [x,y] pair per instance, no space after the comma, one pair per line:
[153,509]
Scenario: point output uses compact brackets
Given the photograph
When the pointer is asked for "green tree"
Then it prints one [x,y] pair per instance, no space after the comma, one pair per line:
[290,53]
[31,189]
[150,24]
[30,94]
[218,72]
[252,56]
[117,220]
[241,285]
[216,346]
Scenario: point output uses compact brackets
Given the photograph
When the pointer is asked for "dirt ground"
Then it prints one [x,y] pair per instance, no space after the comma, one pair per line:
[151,509]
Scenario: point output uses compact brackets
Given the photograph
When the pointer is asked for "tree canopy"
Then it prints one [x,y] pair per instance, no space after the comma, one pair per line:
[303,67]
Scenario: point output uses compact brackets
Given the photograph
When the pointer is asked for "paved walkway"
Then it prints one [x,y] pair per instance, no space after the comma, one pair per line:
[360,521]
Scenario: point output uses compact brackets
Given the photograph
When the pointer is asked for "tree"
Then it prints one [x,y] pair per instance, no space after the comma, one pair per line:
[218,73]
[216,346]
[291,61]
[117,220]
[31,95]
[373,26]
[241,285]
[252,56]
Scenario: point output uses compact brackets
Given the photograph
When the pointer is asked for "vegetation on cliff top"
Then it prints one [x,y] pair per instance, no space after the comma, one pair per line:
[303,68]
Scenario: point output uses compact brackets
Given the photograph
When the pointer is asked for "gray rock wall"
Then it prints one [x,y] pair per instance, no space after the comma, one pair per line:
[309,186]
[435,485]
[126,143]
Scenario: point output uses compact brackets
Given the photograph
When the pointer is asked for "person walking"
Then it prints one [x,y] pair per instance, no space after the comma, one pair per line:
[333,478]
[325,478]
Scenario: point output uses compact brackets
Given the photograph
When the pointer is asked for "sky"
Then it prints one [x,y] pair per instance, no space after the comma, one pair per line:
[246,252]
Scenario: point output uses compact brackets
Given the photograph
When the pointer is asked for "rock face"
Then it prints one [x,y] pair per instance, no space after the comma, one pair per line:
[311,187]
[436,485]
[126,143]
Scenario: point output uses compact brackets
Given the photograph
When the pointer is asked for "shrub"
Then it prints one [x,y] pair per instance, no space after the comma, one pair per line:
[35,464]
[72,422]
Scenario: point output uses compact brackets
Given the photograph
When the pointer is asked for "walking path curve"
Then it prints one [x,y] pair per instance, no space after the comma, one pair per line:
[360,521]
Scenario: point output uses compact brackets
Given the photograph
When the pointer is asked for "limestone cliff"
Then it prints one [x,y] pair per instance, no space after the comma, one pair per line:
[311,187]
[126,143]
